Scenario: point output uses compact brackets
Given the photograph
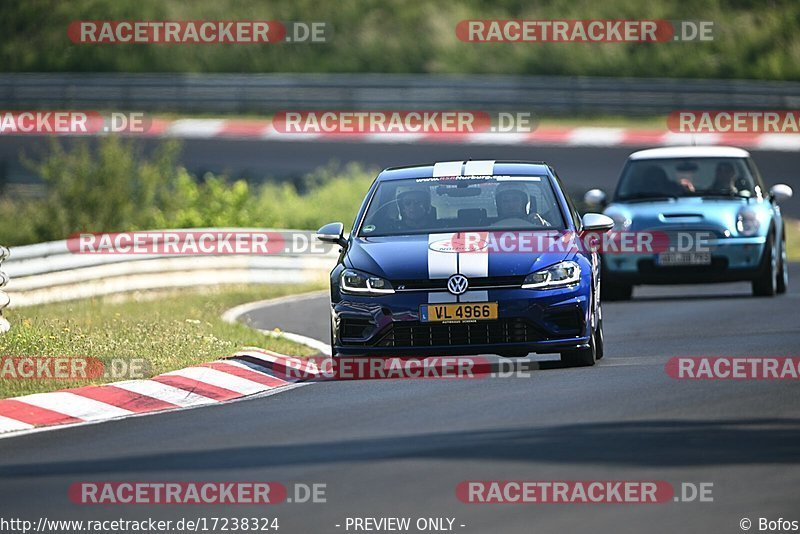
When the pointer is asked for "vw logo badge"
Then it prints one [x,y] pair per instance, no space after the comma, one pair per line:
[457,284]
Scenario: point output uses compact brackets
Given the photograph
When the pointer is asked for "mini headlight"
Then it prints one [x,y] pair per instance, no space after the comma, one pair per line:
[559,275]
[747,222]
[353,281]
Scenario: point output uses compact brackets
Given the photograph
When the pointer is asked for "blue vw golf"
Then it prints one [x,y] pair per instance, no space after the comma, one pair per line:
[465,258]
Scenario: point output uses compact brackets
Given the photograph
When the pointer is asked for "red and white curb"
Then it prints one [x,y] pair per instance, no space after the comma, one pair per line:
[249,372]
[577,136]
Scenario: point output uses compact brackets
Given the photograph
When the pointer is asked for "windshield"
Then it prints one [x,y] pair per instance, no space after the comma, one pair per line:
[673,178]
[453,204]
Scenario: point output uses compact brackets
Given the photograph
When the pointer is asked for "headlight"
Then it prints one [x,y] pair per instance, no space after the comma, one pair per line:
[559,275]
[747,222]
[353,281]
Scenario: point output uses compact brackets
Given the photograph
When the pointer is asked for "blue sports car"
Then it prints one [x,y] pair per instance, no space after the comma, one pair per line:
[714,211]
[466,258]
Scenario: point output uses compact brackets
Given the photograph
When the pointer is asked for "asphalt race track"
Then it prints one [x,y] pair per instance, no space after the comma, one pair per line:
[580,168]
[400,447]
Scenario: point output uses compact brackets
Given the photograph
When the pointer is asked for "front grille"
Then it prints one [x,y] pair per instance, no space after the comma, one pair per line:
[718,265]
[416,334]
[474,283]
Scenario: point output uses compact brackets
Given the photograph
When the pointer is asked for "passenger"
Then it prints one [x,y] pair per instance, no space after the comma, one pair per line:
[512,202]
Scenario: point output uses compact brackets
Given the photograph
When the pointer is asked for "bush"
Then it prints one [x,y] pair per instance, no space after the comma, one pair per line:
[753,39]
[113,188]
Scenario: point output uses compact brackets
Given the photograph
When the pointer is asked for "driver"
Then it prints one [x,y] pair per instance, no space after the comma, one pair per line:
[416,211]
[724,179]
[512,201]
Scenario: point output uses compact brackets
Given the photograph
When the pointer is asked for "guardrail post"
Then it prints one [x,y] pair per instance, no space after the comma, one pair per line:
[4,299]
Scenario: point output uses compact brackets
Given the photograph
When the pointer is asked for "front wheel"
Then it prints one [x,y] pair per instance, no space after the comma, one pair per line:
[766,283]
[582,357]
[599,340]
[783,272]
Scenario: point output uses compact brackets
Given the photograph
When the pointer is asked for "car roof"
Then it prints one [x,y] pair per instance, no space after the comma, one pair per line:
[690,152]
[467,168]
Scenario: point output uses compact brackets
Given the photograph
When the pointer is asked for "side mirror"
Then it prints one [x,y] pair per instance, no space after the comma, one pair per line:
[595,197]
[332,233]
[596,222]
[780,192]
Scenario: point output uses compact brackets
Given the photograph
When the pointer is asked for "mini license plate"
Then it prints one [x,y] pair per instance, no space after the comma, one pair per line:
[667,259]
[458,313]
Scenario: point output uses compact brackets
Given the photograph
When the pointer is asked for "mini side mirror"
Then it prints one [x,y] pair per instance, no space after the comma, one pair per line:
[780,192]
[595,197]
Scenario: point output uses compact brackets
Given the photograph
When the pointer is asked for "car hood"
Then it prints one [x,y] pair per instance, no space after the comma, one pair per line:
[711,213]
[422,257]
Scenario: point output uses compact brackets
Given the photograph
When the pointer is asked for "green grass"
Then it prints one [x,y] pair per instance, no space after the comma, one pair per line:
[793,239]
[170,330]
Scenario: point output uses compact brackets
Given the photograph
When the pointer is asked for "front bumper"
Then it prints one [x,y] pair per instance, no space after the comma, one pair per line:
[544,321]
[733,259]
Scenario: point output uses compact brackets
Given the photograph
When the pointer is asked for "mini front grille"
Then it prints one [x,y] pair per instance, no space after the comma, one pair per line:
[416,334]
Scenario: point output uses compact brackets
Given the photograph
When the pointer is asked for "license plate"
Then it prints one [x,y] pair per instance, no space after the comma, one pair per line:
[458,313]
[669,259]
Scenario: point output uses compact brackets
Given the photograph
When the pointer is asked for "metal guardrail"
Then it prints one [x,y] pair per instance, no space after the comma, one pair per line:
[4,298]
[49,272]
[264,93]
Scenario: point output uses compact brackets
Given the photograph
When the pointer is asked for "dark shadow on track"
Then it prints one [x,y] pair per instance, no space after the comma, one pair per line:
[656,443]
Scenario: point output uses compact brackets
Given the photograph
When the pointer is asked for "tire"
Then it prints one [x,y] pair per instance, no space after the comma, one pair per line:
[599,340]
[766,284]
[582,357]
[333,347]
[783,272]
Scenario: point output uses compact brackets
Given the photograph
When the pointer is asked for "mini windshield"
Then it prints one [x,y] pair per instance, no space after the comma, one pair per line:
[453,204]
[672,178]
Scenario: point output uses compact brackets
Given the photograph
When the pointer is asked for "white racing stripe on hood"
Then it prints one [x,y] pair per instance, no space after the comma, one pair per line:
[441,264]
[474,264]
[446,264]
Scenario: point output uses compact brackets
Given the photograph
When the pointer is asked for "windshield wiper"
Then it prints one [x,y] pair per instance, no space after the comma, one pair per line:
[641,197]
[719,195]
